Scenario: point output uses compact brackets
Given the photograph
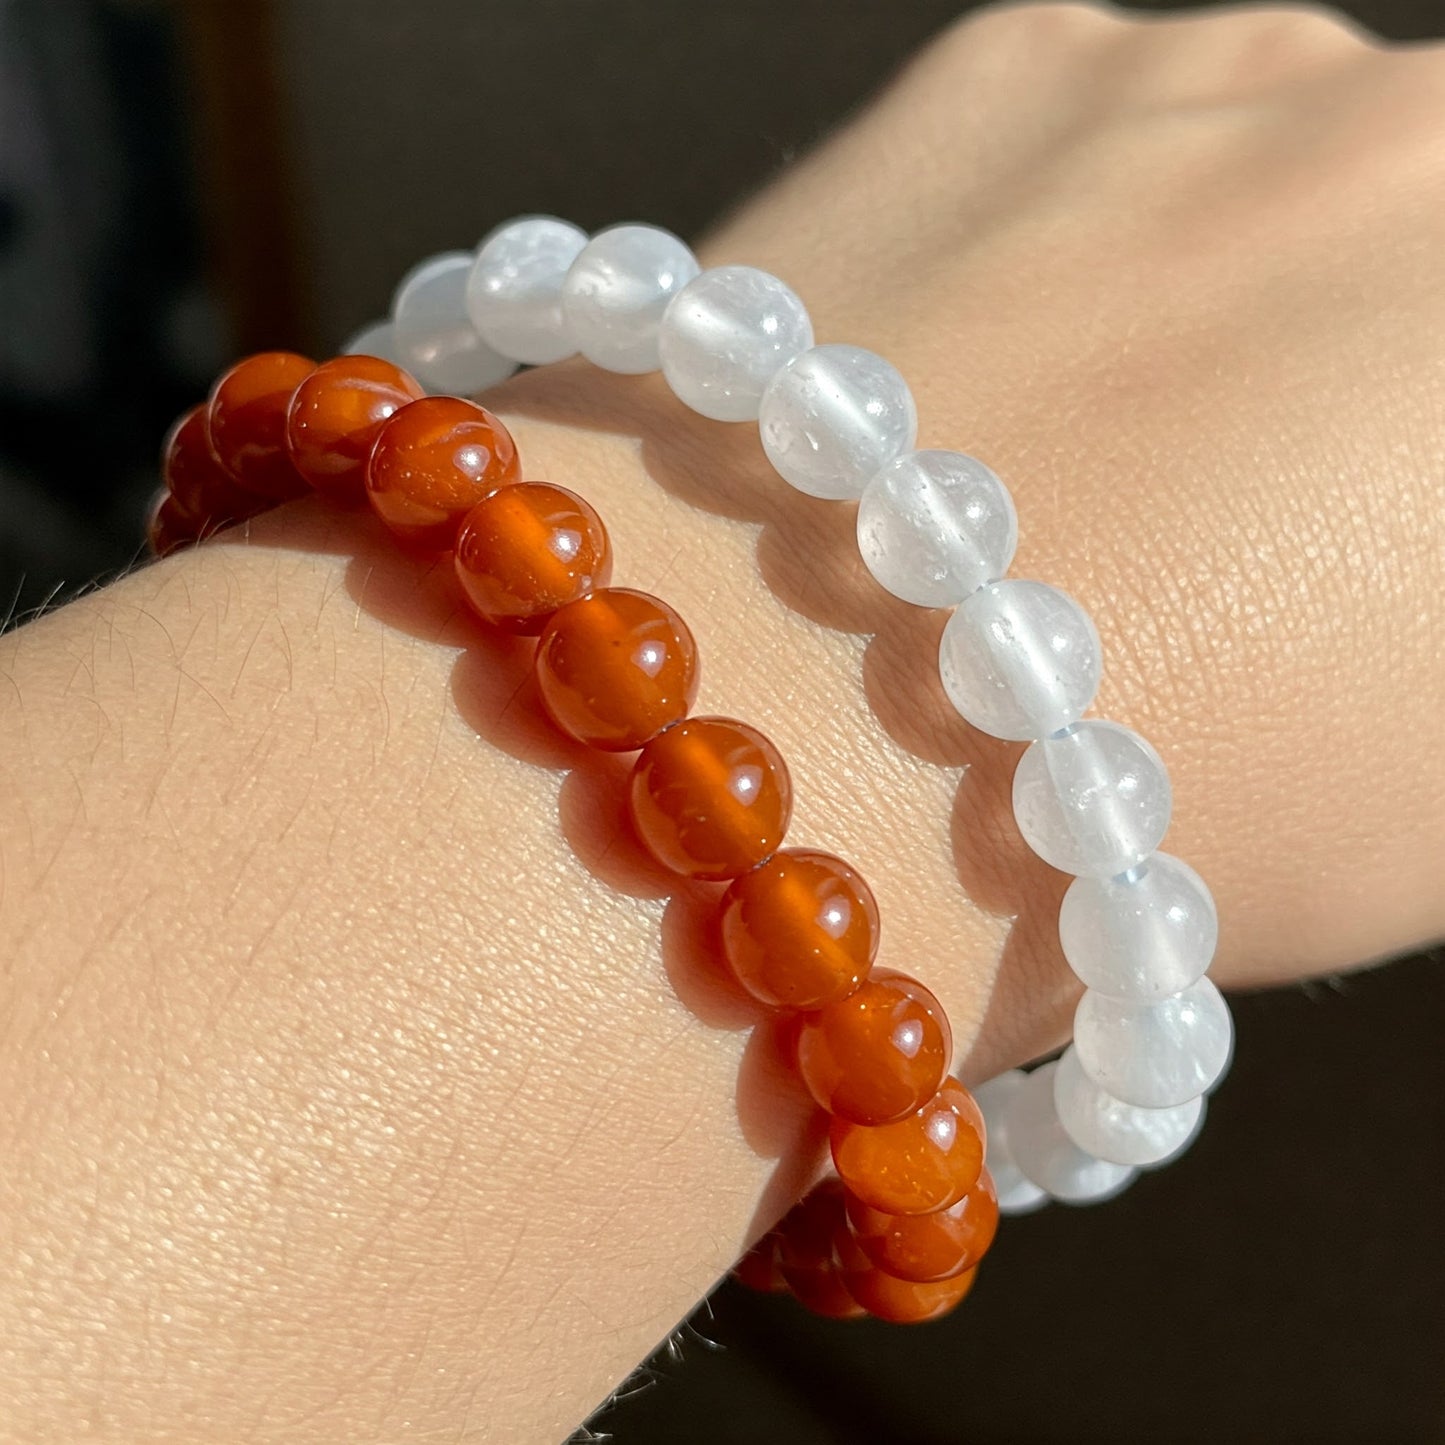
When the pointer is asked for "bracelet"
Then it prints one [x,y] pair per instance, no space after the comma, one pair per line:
[900,1232]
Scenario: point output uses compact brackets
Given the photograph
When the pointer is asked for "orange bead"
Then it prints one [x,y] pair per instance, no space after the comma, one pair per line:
[711,797]
[878,1054]
[167,530]
[925,1162]
[336,414]
[904,1302]
[203,491]
[616,668]
[246,422]
[432,463]
[928,1247]
[807,1257]
[758,1268]
[527,549]
[800,931]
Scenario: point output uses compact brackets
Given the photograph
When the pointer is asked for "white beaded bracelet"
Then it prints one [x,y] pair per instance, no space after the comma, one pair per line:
[1019,659]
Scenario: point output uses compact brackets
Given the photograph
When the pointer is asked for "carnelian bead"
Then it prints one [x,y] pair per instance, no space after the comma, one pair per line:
[878,1054]
[925,1162]
[246,422]
[336,414]
[928,1247]
[167,530]
[758,1268]
[807,1255]
[527,549]
[711,797]
[203,490]
[432,463]
[905,1302]
[616,668]
[800,930]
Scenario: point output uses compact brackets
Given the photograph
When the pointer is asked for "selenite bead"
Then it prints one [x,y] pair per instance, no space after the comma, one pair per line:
[724,336]
[879,1054]
[935,526]
[616,668]
[799,931]
[204,493]
[926,1247]
[432,463]
[758,1269]
[807,1253]
[337,413]
[1105,1127]
[1144,935]
[1016,1194]
[711,797]
[246,422]
[902,1302]
[1020,659]
[376,338]
[1046,1154]
[616,291]
[1094,800]
[925,1162]
[832,417]
[1155,1055]
[433,335]
[514,290]
[527,549]
[167,528]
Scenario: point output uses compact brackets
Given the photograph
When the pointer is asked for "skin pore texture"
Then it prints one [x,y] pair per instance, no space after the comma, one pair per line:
[365,1083]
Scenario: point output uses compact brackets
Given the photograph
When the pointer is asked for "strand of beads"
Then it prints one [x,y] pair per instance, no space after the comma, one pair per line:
[900,1233]
[1019,659]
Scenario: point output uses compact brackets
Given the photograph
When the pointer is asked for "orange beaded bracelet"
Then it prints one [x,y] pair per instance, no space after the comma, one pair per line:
[899,1233]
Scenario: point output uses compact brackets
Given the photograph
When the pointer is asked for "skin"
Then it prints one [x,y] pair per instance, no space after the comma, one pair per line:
[365,1083]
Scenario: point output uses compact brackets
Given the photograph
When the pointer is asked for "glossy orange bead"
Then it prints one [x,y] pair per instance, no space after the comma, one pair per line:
[204,491]
[758,1269]
[801,930]
[807,1255]
[337,413]
[711,797]
[167,530]
[904,1302]
[616,668]
[527,549]
[246,422]
[878,1054]
[925,1162]
[432,463]
[928,1247]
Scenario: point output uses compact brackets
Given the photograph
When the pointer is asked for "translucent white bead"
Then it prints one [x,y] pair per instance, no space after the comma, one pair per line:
[1155,1055]
[616,291]
[934,526]
[724,336]
[832,417]
[1020,659]
[1048,1156]
[1094,800]
[1145,935]
[514,293]
[1121,1133]
[376,339]
[435,338]
[1016,1195]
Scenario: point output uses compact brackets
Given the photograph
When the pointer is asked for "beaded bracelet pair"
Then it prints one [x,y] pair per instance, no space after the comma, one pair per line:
[899,1233]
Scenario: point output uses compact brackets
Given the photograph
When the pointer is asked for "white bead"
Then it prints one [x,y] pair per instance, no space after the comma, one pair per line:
[1048,1156]
[616,291]
[514,293]
[934,526]
[832,417]
[1094,800]
[1142,936]
[1121,1133]
[435,339]
[1155,1055]
[724,336]
[1020,659]
[1016,1195]
[376,339]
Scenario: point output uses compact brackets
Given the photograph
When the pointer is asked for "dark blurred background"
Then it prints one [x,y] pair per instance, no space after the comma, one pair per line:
[182,182]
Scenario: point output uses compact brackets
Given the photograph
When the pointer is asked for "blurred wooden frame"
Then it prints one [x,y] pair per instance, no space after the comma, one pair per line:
[243,168]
